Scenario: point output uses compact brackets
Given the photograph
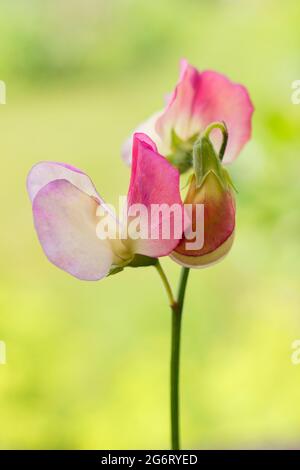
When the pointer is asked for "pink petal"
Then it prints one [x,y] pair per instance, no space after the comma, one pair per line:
[201,98]
[65,220]
[147,127]
[153,181]
[44,172]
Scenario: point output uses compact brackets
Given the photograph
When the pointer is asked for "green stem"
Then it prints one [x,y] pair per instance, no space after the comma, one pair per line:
[223,129]
[177,309]
[165,283]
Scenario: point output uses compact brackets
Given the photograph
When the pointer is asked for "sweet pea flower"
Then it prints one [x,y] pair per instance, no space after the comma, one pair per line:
[65,204]
[199,99]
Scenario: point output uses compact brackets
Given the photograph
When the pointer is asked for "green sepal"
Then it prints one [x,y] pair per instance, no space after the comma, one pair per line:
[229,180]
[187,183]
[182,152]
[137,261]
[206,161]
[115,270]
[142,261]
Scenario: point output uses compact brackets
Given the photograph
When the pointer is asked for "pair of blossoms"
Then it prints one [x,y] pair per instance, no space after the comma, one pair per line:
[205,115]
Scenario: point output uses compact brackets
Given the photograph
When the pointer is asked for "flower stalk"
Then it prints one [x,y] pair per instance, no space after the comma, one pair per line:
[166,284]
[177,310]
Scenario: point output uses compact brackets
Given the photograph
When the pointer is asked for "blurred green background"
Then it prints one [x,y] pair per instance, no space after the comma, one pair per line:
[88,363]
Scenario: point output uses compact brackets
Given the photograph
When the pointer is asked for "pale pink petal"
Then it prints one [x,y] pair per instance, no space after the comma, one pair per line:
[178,112]
[201,98]
[147,127]
[154,182]
[44,172]
[65,220]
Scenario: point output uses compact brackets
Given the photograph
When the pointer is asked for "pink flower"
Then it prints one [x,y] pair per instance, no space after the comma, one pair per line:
[198,99]
[65,207]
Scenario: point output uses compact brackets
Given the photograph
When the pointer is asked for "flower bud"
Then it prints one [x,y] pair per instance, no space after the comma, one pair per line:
[212,187]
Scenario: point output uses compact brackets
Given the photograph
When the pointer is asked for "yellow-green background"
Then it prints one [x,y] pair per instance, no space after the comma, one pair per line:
[87,363]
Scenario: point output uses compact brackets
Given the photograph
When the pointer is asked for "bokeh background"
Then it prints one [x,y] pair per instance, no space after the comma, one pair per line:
[88,363]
